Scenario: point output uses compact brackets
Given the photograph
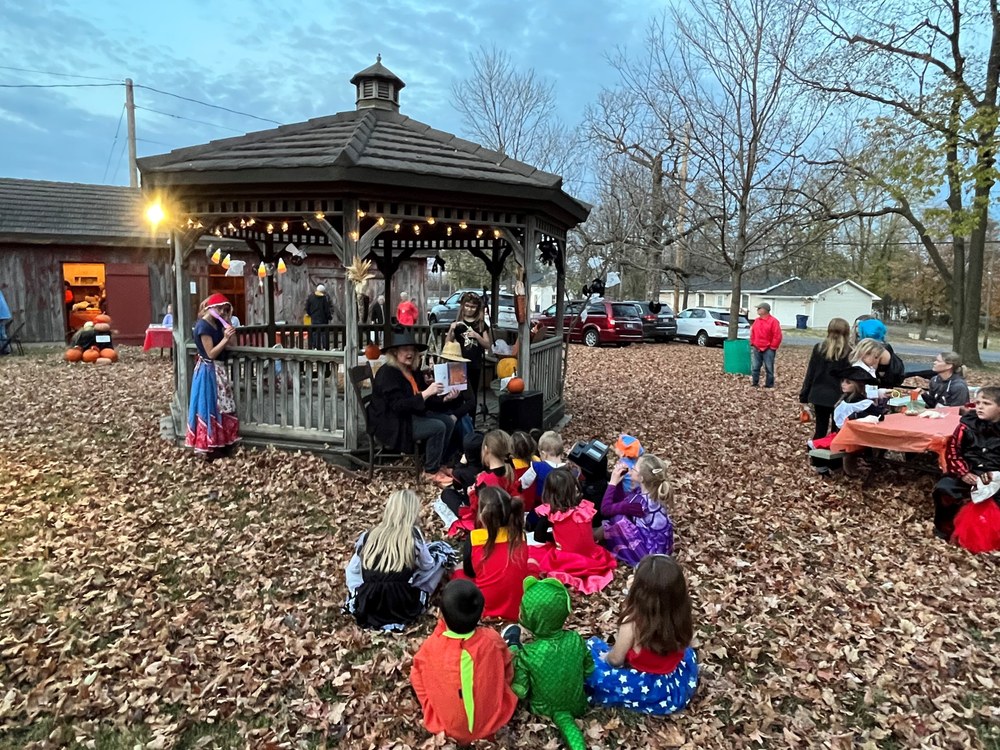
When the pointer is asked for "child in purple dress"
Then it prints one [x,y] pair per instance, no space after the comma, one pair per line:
[636,522]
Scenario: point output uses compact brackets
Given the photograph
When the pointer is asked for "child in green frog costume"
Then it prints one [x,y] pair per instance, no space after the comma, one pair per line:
[551,669]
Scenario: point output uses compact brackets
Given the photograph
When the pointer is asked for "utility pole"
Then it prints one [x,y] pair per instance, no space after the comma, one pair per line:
[989,300]
[679,224]
[133,174]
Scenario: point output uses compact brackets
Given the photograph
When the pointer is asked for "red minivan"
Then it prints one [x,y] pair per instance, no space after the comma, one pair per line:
[601,322]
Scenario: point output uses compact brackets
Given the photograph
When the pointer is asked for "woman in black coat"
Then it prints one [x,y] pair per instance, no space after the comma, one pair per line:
[821,387]
[405,408]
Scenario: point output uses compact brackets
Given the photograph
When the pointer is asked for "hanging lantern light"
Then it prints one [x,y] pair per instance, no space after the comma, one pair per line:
[261,271]
[217,256]
[225,262]
[281,265]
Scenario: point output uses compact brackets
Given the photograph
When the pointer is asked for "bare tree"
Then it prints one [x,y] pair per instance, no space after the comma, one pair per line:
[927,78]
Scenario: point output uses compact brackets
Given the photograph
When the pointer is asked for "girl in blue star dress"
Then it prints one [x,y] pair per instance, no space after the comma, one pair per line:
[652,667]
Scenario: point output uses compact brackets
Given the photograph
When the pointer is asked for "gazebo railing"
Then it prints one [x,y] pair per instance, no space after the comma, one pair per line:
[546,370]
[299,336]
[291,395]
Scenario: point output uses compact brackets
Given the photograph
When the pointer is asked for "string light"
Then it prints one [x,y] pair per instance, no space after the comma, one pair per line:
[218,232]
[361,214]
[320,215]
[395,227]
[496,234]
[431,220]
[217,256]
[448,231]
[250,221]
[354,235]
[479,233]
[226,262]
[261,271]
[284,226]
[381,221]
[231,227]
[462,225]
[270,228]
[305,224]
[281,265]
[243,223]
[416,229]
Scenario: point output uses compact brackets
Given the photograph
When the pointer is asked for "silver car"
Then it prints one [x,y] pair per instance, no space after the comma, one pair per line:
[446,310]
[707,326]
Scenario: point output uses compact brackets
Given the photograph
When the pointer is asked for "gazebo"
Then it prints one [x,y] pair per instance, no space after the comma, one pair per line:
[368,184]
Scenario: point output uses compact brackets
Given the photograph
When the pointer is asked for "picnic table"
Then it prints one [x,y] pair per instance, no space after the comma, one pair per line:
[900,432]
[158,337]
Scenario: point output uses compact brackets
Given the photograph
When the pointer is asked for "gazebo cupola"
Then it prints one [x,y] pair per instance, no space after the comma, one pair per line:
[378,87]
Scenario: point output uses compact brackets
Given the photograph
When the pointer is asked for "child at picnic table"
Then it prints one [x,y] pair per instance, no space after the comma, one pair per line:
[394,570]
[652,667]
[573,557]
[853,404]
[495,555]
[973,460]
[462,673]
[637,523]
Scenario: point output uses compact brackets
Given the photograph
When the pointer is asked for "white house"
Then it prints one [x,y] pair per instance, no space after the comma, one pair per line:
[818,300]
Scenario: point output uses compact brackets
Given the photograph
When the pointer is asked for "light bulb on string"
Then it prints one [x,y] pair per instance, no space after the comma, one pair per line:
[320,215]
[416,229]
[395,227]
[231,227]
[448,231]
[284,226]
[431,220]
[354,235]
[361,214]
[270,228]
[479,233]
[381,221]
[250,221]
[496,234]
[462,225]
[243,223]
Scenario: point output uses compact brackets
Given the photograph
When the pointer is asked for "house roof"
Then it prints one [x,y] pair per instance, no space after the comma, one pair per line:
[793,287]
[36,211]
[377,147]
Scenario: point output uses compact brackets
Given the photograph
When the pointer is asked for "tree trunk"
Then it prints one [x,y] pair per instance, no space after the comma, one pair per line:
[734,303]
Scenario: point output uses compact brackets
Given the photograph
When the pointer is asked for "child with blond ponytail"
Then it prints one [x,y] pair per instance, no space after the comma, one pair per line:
[637,523]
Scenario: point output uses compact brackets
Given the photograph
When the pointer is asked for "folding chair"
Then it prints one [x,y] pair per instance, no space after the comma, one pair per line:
[12,340]
[376,451]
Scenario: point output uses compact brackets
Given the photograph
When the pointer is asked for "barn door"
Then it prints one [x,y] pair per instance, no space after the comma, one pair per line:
[127,288]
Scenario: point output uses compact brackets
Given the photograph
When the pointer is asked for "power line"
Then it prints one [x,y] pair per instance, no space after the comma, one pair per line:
[181,117]
[158,143]
[53,73]
[119,162]
[206,104]
[56,85]
[111,151]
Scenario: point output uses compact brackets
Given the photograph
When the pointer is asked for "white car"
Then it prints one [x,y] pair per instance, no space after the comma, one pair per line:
[706,326]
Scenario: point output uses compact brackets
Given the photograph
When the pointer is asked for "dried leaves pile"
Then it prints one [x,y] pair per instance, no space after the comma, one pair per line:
[147,599]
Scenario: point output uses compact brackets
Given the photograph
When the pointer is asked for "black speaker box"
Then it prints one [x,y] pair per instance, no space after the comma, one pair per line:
[592,458]
[521,411]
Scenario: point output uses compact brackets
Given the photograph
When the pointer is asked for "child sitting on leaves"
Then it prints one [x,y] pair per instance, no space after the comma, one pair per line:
[497,472]
[628,449]
[636,522]
[573,557]
[550,670]
[394,571]
[523,450]
[462,673]
[652,667]
[550,451]
[495,555]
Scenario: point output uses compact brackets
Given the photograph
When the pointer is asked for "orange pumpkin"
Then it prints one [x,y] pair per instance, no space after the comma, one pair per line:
[515,385]
[109,354]
[372,351]
[73,354]
[102,318]
[91,355]
[102,327]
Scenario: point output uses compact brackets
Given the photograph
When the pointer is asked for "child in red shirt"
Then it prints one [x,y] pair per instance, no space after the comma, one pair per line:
[495,555]
[462,673]
[498,472]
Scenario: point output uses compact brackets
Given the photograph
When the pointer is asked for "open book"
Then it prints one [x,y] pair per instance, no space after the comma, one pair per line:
[452,375]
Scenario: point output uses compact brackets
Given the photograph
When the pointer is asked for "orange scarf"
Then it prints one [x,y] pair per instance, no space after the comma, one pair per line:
[409,376]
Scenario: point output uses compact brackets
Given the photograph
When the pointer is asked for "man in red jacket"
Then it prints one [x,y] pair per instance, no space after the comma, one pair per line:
[765,338]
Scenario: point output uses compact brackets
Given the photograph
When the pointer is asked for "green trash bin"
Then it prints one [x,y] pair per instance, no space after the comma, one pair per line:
[736,357]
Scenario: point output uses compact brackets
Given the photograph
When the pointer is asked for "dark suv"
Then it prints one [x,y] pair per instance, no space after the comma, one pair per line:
[659,326]
[606,322]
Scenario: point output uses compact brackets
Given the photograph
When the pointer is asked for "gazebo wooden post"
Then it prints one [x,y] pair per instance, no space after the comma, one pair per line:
[182,243]
[272,331]
[351,236]
[496,269]
[560,264]
[388,268]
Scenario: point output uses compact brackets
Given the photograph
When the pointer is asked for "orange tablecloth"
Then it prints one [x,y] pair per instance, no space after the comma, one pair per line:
[898,432]
[158,338]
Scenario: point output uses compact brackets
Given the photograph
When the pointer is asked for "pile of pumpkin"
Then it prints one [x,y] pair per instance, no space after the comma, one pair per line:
[94,354]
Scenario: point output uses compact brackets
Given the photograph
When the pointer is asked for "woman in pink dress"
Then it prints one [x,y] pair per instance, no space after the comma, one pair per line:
[565,523]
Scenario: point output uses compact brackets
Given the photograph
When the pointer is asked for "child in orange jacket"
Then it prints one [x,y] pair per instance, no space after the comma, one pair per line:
[462,673]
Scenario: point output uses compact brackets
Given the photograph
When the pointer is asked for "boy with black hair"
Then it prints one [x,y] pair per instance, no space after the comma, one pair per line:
[462,673]
[972,457]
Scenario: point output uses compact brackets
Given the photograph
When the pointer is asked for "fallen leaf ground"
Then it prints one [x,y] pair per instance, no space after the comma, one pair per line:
[147,599]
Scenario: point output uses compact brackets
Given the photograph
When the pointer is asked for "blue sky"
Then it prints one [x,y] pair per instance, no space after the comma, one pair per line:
[285,61]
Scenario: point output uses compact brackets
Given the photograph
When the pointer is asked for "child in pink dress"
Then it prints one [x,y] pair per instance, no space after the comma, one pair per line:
[573,557]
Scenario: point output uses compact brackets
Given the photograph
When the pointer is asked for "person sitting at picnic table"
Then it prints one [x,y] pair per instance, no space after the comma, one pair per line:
[853,404]
[889,370]
[947,387]
[966,509]
[405,408]
[821,388]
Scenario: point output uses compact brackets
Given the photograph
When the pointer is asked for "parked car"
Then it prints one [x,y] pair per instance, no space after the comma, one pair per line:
[607,322]
[446,310]
[706,326]
[659,326]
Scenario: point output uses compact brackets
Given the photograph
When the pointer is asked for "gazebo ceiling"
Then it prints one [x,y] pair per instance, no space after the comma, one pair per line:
[369,153]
